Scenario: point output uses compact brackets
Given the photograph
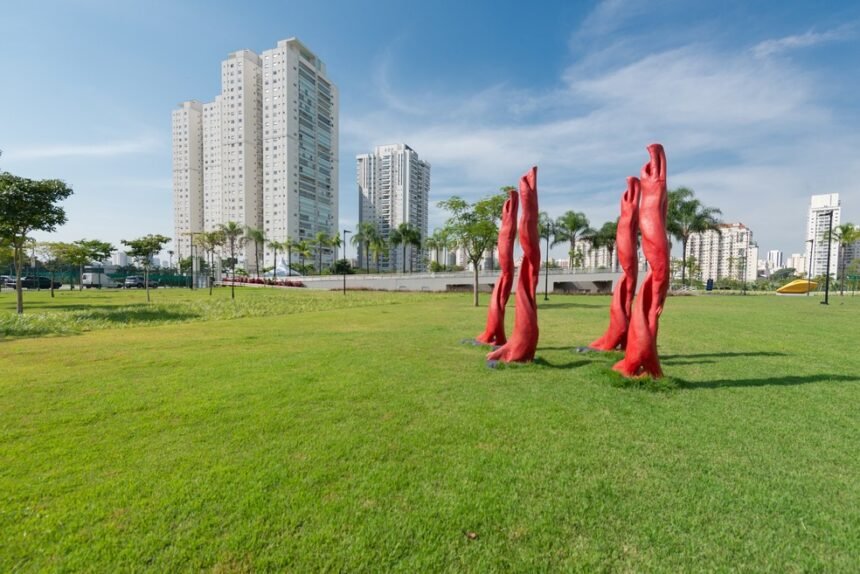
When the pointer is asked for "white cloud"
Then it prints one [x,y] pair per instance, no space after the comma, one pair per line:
[779,45]
[139,145]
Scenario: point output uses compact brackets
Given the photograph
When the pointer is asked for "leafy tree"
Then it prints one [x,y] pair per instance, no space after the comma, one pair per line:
[844,235]
[276,246]
[546,230]
[378,245]
[436,243]
[28,205]
[686,215]
[335,242]
[142,250]
[234,237]
[209,241]
[570,227]
[474,227]
[363,237]
[783,274]
[303,250]
[258,238]
[53,255]
[401,235]
[322,240]
[289,245]
[605,237]
[342,267]
[86,251]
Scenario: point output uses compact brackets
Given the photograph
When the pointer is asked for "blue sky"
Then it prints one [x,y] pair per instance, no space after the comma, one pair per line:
[755,102]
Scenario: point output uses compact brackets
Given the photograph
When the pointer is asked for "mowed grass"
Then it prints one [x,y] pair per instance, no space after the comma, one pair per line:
[369,439]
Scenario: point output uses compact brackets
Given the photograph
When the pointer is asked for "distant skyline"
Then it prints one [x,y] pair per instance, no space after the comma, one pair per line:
[755,102]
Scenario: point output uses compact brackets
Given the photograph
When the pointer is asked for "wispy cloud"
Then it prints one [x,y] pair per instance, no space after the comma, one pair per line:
[779,45]
[139,145]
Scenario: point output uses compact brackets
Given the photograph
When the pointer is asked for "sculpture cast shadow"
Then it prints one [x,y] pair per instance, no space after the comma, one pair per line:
[786,381]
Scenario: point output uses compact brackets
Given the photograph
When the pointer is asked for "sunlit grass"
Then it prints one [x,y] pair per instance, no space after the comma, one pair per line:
[369,439]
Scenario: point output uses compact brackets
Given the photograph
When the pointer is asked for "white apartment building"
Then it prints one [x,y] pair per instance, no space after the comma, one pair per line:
[119,259]
[300,145]
[774,260]
[393,188]
[798,262]
[265,151]
[817,224]
[727,253]
[187,174]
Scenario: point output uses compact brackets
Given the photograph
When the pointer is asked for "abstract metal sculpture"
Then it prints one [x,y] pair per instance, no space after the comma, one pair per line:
[494,334]
[626,238]
[523,342]
[641,354]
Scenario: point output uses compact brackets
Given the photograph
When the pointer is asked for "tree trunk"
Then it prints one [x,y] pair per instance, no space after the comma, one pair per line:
[81,277]
[367,259]
[18,288]
[475,286]
[683,259]
[842,282]
[546,273]
[404,258]
[146,282]
[52,284]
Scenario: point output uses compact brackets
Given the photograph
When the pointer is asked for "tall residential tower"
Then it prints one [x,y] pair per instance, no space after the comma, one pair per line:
[817,224]
[265,151]
[393,188]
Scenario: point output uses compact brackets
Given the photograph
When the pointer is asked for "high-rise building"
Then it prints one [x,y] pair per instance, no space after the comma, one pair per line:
[727,253]
[774,259]
[187,175]
[798,262]
[393,188]
[817,224]
[300,143]
[265,150]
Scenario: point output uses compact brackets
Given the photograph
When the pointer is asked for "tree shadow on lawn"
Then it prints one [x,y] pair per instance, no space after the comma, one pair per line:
[142,314]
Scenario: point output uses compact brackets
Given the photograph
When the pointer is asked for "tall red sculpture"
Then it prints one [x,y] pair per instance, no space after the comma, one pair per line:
[641,356]
[626,247]
[523,342]
[494,334]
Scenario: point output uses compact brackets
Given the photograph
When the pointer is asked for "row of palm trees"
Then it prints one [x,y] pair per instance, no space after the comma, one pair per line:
[369,238]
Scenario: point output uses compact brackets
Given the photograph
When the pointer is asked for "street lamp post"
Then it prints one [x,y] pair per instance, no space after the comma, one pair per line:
[827,268]
[809,273]
[345,231]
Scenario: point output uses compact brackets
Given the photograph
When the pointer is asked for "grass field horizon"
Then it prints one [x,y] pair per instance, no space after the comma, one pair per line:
[301,431]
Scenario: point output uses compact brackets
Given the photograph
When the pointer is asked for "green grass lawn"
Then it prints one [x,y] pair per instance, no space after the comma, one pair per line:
[317,432]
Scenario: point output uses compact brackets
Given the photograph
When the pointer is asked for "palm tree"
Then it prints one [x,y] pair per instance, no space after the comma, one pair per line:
[605,237]
[569,227]
[258,236]
[275,246]
[362,238]
[844,235]
[234,236]
[546,230]
[405,235]
[336,242]
[322,241]
[436,243]
[378,245]
[289,245]
[414,241]
[303,249]
[686,215]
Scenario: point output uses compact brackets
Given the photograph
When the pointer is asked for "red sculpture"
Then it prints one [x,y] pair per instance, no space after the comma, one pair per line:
[494,334]
[641,356]
[523,342]
[626,237]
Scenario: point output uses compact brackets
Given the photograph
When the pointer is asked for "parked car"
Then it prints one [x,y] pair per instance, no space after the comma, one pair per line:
[33,283]
[137,282]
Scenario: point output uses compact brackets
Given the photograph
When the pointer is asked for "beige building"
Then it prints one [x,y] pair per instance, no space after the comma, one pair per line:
[188,209]
[817,225]
[727,253]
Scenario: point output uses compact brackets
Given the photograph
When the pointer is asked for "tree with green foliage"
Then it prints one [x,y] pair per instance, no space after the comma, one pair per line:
[142,250]
[303,250]
[335,242]
[28,205]
[234,237]
[474,227]
[289,245]
[685,216]
[363,237]
[844,235]
[85,251]
[605,238]
[378,246]
[546,230]
[276,246]
[210,241]
[258,238]
[53,255]
[404,235]
[569,228]
[321,241]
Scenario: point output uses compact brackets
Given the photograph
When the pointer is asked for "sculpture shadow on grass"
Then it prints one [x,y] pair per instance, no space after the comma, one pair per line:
[786,381]
[549,305]
[541,362]
[711,358]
